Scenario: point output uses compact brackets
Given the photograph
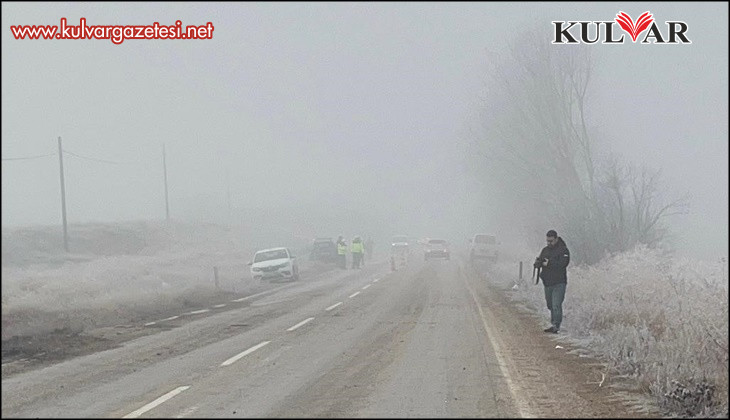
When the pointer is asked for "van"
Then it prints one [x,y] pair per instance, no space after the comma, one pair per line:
[483,247]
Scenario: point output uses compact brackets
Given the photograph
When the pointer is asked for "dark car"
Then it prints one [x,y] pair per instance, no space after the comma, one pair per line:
[436,248]
[323,249]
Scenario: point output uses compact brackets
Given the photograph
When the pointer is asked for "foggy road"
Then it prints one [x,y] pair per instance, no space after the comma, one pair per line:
[362,343]
[159,160]
[373,344]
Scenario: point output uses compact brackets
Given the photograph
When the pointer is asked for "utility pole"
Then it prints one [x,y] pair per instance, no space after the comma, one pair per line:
[63,196]
[164,168]
[228,195]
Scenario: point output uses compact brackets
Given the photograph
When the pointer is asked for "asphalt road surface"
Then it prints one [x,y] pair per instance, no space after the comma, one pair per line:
[429,340]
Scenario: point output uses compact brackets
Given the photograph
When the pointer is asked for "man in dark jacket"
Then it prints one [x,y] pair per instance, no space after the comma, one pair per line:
[553,260]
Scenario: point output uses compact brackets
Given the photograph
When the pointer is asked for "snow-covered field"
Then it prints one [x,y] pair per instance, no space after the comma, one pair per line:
[659,319]
[116,273]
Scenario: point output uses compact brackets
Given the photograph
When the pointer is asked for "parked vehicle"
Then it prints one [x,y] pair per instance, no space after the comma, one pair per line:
[436,248]
[323,249]
[483,247]
[400,239]
[398,256]
[402,242]
[274,263]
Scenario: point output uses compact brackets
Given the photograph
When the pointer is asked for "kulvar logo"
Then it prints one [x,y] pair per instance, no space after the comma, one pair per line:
[590,32]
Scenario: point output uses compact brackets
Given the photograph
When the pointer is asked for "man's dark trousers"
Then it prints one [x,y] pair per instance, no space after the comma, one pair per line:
[554,296]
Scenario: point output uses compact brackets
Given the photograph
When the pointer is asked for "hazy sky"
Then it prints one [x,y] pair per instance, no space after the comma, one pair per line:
[352,108]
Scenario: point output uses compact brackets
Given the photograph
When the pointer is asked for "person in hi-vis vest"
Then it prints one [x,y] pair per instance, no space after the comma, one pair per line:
[357,250]
[341,252]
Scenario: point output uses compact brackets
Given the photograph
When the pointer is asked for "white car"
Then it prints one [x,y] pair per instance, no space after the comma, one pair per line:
[436,248]
[483,247]
[400,239]
[401,242]
[274,263]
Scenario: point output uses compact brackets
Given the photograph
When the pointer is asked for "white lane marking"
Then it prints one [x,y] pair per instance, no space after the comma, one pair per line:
[354,294]
[366,286]
[248,297]
[219,306]
[376,280]
[189,411]
[170,318]
[260,293]
[155,403]
[299,324]
[521,405]
[233,359]
[198,312]
[150,323]
[333,306]
[264,302]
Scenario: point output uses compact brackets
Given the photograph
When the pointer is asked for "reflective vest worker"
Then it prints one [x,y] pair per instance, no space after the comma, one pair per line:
[341,253]
[357,250]
[357,247]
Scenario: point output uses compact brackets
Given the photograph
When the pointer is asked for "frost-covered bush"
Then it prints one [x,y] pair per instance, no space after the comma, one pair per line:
[660,319]
[103,281]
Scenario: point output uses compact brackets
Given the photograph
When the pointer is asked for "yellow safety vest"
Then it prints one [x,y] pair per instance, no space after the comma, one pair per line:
[341,249]
[357,247]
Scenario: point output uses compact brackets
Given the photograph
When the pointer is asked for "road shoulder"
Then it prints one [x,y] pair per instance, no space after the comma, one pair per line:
[554,377]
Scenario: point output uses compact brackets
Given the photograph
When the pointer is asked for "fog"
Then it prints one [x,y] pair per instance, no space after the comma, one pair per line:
[327,119]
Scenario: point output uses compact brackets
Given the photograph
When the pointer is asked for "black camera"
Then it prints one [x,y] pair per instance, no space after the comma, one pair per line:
[538,262]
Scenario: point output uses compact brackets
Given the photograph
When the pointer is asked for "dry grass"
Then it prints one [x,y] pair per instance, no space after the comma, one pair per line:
[661,320]
[115,273]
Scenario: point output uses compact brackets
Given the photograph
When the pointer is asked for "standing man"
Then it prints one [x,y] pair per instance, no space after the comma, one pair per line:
[341,252]
[553,260]
[357,251]
[369,248]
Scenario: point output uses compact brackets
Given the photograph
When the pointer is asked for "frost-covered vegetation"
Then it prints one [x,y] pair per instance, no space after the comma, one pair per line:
[115,273]
[661,320]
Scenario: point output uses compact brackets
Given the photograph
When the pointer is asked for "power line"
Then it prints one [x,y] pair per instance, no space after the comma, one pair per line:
[30,157]
[73,154]
[90,158]
[100,160]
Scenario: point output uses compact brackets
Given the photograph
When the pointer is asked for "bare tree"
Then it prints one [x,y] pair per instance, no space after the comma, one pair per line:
[534,153]
[611,200]
[649,210]
[534,137]
[632,207]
